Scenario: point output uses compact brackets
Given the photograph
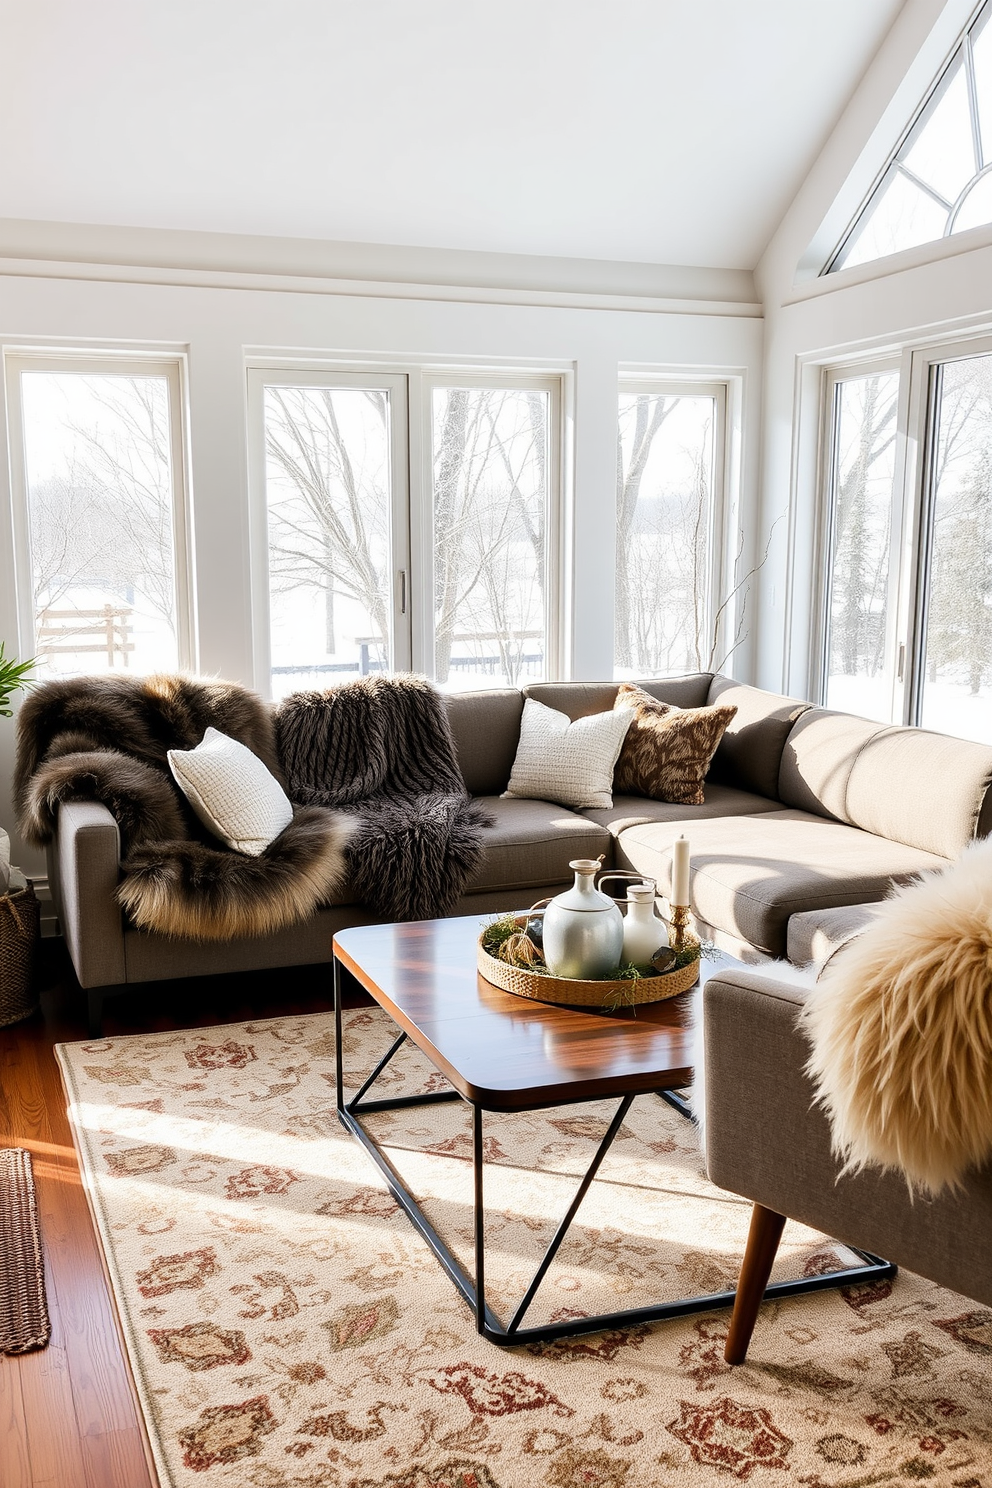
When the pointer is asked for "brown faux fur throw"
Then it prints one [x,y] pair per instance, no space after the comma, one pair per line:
[901,1027]
[106,739]
[380,748]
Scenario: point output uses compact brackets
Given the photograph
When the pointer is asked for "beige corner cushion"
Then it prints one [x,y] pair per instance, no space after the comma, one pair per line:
[232,792]
[667,750]
[571,763]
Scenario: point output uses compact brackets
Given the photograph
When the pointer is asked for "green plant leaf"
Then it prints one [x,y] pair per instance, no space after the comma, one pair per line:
[13,675]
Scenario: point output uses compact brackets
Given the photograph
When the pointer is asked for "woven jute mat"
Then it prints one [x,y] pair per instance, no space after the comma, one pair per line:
[24,1321]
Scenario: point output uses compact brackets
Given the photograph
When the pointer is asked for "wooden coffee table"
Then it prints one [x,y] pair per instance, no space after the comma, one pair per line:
[500,1052]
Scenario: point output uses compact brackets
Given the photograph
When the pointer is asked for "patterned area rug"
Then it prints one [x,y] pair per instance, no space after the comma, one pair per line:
[287,1328]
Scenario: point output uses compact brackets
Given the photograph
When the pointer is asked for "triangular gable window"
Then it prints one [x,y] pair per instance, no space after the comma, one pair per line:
[939,181]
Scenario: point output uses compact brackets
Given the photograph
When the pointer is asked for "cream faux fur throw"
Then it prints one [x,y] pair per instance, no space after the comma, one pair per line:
[901,1028]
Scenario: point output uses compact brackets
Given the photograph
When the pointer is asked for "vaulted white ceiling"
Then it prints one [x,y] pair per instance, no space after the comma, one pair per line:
[658,131]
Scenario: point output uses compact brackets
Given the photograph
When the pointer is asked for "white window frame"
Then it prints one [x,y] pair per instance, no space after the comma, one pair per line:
[422,504]
[172,367]
[923,379]
[963,51]
[833,379]
[260,376]
[721,577]
[912,504]
[411,387]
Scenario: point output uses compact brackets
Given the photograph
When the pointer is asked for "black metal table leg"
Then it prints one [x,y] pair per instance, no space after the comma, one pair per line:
[480,1220]
[473,1290]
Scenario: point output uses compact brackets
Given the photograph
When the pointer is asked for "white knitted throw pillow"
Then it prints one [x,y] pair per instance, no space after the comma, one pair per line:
[571,763]
[232,792]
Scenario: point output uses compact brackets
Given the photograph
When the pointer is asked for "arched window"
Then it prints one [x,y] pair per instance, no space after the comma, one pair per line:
[939,181]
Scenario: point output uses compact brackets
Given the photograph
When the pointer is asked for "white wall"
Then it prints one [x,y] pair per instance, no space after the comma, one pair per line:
[894,303]
[215,318]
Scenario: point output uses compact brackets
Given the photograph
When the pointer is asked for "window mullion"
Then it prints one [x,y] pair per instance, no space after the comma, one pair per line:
[976,128]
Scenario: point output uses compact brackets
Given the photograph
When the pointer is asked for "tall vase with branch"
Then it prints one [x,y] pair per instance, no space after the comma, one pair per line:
[740,589]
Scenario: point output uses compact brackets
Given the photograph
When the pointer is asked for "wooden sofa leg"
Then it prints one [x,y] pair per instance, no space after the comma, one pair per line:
[762,1246]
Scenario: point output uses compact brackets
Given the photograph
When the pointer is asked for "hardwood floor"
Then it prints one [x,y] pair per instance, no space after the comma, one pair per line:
[67,1414]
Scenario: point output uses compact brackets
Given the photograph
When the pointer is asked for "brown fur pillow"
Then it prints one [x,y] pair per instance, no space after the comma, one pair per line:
[667,750]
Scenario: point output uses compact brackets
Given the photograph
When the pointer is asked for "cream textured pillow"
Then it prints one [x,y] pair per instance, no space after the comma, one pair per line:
[571,763]
[232,792]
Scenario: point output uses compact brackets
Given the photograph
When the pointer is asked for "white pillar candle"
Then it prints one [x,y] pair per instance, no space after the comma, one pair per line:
[680,872]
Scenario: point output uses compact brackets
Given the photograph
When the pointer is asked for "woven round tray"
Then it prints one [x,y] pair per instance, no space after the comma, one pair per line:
[569,992]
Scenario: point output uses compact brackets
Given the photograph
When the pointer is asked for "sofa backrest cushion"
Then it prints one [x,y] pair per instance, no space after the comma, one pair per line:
[818,758]
[924,789]
[579,699]
[750,752]
[486,731]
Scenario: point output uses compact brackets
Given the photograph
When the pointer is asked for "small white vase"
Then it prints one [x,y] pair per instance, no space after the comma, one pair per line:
[583,929]
[643,932]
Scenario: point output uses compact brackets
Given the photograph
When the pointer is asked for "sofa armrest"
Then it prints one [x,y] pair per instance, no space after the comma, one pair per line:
[766,1141]
[757,1099]
[86,859]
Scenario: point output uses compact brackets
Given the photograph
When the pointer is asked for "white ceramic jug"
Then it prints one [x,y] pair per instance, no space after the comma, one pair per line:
[583,929]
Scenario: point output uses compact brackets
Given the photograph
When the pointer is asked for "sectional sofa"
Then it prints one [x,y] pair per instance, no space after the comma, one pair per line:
[809,816]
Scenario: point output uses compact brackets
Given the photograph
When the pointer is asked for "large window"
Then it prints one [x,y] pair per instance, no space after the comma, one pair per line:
[953,678]
[335,545]
[411,520]
[907,595]
[859,570]
[96,459]
[669,485]
[939,181]
[491,467]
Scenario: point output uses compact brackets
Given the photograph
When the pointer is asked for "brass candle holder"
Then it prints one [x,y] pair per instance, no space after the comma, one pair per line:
[683,937]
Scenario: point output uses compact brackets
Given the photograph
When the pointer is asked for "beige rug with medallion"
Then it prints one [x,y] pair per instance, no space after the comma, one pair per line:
[287,1328]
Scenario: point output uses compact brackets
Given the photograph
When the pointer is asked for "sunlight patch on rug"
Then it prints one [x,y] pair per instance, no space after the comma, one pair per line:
[287,1327]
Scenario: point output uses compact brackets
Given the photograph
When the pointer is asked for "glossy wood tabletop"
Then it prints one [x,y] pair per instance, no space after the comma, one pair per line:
[507,1053]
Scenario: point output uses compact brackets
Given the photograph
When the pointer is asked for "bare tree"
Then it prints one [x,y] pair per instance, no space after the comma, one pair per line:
[489,522]
[650,412]
[959,618]
[328,512]
[861,542]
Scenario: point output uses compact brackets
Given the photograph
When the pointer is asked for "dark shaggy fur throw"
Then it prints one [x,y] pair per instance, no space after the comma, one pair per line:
[106,739]
[381,749]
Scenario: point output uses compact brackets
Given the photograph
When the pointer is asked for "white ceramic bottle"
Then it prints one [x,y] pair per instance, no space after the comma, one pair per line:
[643,932]
[583,929]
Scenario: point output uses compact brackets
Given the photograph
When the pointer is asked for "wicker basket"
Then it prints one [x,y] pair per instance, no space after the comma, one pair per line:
[19,923]
[569,992]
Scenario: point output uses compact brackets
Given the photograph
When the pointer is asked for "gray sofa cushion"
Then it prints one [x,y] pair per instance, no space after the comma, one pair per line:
[579,699]
[818,758]
[486,731]
[816,934]
[721,800]
[922,788]
[917,787]
[532,843]
[751,873]
[750,751]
